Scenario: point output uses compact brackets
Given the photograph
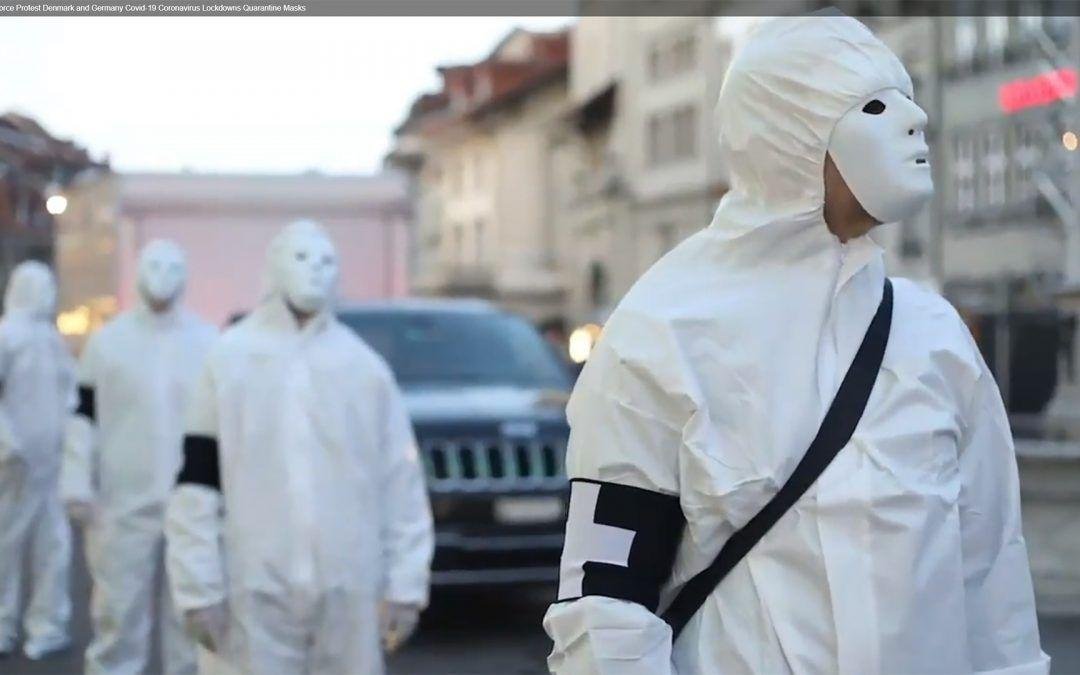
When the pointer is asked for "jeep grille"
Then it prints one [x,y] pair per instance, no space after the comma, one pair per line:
[495,464]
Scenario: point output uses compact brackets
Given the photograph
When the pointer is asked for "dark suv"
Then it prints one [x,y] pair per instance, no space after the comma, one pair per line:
[487,396]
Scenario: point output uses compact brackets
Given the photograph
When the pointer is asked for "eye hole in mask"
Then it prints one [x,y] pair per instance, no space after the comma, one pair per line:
[874,107]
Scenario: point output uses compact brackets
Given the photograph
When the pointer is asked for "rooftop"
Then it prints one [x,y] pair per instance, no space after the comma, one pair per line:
[521,63]
[25,143]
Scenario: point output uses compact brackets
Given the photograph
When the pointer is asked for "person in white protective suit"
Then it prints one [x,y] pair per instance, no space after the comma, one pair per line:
[122,455]
[37,386]
[300,534]
[712,378]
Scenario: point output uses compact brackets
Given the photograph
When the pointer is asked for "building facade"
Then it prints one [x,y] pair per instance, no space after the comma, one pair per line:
[1007,87]
[630,166]
[638,160]
[87,255]
[1006,247]
[37,174]
[480,155]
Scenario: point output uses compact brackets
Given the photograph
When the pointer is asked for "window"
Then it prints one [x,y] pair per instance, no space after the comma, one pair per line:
[963,173]
[598,285]
[1030,23]
[453,176]
[434,172]
[1024,156]
[655,134]
[655,68]
[685,123]
[1057,22]
[965,38]
[431,244]
[479,240]
[672,135]
[669,57]
[478,173]
[667,236]
[1051,16]
[997,34]
[994,167]
[458,242]
[683,54]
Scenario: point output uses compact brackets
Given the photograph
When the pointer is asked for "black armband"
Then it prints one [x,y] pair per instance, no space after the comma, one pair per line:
[200,462]
[87,406]
[620,542]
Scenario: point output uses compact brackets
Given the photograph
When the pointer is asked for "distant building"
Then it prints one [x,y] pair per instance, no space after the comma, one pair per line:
[1006,182]
[1002,236]
[638,159]
[225,223]
[87,255]
[36,172]
[480,152]
[628,165]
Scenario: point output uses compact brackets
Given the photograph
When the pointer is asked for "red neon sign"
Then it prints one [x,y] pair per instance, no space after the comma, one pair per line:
[1032,92]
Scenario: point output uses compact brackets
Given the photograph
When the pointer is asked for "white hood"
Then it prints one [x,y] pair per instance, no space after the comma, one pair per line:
[763,281]
[777,109]
[31,291]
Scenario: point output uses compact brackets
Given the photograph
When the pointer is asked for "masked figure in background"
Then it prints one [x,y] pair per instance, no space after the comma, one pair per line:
[123,452]
[714,375]
[300,528]
[37,386]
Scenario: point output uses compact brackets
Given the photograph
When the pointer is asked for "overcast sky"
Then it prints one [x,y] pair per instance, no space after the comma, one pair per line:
[235,94]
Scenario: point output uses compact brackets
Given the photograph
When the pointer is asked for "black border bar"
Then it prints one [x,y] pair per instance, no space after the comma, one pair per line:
[568,8]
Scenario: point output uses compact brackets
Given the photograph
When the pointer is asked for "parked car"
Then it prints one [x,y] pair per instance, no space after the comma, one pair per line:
[487,396]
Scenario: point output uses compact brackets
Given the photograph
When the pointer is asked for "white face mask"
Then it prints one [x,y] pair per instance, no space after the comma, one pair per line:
[879,146]
[308,270]
[162,272]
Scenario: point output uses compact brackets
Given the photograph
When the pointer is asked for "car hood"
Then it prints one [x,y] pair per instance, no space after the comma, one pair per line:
[476,403]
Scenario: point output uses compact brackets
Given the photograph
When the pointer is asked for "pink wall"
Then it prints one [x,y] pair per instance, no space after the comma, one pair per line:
[226,248]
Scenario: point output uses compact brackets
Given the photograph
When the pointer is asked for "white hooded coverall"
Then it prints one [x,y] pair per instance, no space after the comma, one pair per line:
[302,501]
[123,453]
[712,378]
[37,387]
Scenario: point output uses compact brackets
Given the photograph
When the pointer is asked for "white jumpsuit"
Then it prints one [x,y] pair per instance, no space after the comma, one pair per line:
[315,509]
[136,376]
[712,378]
[37,382]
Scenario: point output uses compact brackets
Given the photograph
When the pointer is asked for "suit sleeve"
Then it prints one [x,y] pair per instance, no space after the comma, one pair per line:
[193,521]
[406,530]
[78,472]
[625,431]
[1003,636]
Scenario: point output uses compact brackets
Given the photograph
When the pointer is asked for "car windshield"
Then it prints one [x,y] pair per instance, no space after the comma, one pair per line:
[436,349]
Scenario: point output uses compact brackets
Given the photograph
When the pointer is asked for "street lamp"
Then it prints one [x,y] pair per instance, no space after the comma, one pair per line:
[582,341]
[56,204]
